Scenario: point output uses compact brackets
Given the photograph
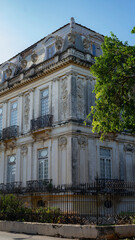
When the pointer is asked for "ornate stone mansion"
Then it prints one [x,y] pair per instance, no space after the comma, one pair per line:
[45,96]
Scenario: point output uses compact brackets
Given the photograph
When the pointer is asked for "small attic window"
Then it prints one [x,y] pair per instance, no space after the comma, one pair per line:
[94,50]
[50,51]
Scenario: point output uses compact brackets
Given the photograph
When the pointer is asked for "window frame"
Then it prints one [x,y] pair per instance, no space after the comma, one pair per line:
[10,111]
[11,164]
[41,102]
[105,158]
[44,159]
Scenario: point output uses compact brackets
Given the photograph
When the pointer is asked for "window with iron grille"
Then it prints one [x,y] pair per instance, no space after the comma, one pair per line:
[11,169]
[50,51]
[44,102]
[43,164]
[13,114]
[105,163]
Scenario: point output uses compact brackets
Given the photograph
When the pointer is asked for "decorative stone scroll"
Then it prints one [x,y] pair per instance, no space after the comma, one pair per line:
[8,71]
[58,42]
[24,150]
[34,57]
[86,42]
[128,148]
[62,142]
[71,37]
[23,63]
[82,141]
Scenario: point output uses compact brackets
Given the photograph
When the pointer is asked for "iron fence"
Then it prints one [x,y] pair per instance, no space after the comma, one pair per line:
[10,132]
[101,202]
[41,122]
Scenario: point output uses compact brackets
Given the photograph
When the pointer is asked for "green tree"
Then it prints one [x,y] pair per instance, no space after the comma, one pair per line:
[114,109]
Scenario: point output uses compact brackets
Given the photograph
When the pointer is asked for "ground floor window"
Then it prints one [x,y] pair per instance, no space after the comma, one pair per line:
[105,163]
[43,163]
[11,169]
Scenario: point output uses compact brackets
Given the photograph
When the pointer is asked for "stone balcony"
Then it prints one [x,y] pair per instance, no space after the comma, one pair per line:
[41,122]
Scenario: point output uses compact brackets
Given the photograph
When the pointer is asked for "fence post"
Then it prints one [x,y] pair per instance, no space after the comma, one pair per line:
[97,212]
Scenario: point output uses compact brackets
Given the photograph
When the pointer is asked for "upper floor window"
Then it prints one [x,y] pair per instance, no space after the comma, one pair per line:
[11,168]
[50,51]
[94,49]
[105,163]
[13,114]
[43,164]
[44,102]
[1,118]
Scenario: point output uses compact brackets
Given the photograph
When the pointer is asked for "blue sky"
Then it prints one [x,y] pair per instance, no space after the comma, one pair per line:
[23,22]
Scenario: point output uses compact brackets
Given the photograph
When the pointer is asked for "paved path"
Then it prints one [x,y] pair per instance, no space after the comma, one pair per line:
[18,236]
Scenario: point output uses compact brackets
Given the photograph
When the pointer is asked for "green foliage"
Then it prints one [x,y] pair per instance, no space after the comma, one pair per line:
[114,109]
[11,208]
[133,30]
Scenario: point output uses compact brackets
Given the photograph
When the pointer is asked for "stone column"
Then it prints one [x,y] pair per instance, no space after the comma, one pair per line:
[18,166]
[24,151]
[34,163]
[20,108]
[29,162]
[55,162]
[69,161]
[2,166]
[55,99]
[83,178]
[5,115]
[73,95]
[31,92]
[62,160]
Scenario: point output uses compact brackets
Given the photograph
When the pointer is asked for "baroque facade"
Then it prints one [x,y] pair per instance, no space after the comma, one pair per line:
[45,96]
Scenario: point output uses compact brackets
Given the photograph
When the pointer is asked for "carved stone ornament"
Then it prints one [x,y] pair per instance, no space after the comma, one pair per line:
[8,71]
[71,37]
[128,147]
[58,42]
[62,141]
[72,23]
[34,57]
[24,150]
[86,42]
[26,109]
[64,95]
[82,141]
[80,96]
[23,63]
[10,145]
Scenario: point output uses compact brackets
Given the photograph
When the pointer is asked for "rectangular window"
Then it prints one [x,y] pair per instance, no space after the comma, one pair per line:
[94,49]
[105,163]
[13,114]
[50,51]
[44,102]
[43,164]
[11,169]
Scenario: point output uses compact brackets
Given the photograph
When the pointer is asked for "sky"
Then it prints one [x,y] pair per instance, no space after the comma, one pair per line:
[24,22]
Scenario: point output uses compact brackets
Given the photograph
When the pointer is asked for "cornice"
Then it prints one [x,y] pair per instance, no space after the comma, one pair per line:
[41,70]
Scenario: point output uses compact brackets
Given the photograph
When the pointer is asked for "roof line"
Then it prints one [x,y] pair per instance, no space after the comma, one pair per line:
[33,45]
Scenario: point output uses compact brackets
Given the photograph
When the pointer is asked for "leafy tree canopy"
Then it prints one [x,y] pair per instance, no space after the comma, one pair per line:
[114,109]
